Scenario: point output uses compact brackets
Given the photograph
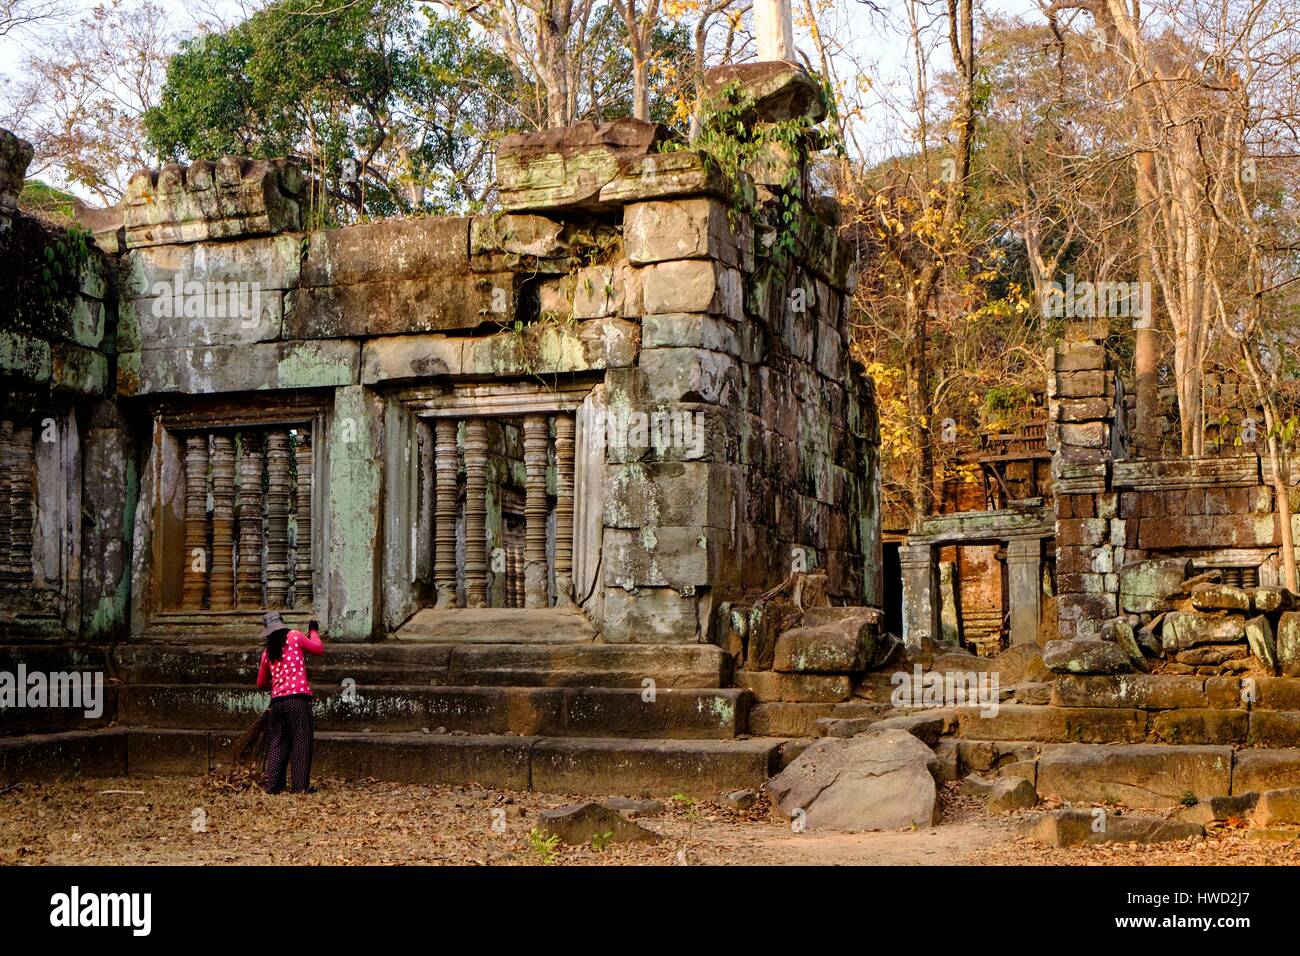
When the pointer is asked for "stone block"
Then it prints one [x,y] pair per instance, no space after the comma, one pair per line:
[809,688]
[1138,775]
[692,285]
[1288,643]
[1185,629]
[699,228]
[230,198]
[1143,691]
[566,168]
[264,365]
[1203,726]
[834,646]
[1146,586]
[651,615]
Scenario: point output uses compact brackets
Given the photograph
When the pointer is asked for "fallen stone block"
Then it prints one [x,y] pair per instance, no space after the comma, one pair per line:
[974,785]
[1070,827]
[1259,637]
[926,727]
[1269,599]
[738,800]
[1220,597]
[1185,629]
[1220,808]
[829,644]
[581,823]
[877,781]
[1011,793]
[1086,656]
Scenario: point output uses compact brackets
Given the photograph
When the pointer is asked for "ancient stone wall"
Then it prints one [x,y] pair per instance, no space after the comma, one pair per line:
[616,385]
[1113,511]
[63,442]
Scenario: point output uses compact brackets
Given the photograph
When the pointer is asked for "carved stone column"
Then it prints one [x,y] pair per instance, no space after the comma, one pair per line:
[223,522]
[197,559]
[476,556]
[920,594]
[514,593]
[1025,588]
[444,517]
[302,568]
[277,518]
[21,514]
[564,452]
[250,520]
[8,460]
[536,509]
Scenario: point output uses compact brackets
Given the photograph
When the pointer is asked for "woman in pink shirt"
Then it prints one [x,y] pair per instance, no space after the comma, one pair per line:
[284,673]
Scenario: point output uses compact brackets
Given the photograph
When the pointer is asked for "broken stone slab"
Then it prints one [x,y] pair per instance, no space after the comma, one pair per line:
[1086,656]
[1288,643]
[1220,597]
[1011,793]
[876,781]
[667,175]
[1070,827]
[829,641]
[1184,629]
[567,167]
[580,823]
[1021,769]
[1146,586]
[696,228]
[947,760]
[635,808]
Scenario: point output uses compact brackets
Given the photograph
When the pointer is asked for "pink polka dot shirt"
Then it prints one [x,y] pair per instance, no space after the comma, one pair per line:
[288,675]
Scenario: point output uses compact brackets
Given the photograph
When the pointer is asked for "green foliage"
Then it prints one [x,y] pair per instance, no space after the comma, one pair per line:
[544,846]
[601,840]
[46,200]
[61,264]
[734,144]
[387,107]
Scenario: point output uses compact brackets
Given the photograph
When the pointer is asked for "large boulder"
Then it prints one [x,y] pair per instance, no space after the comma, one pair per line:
[1146,586]
[1086,656]
[875,781]
[1184,629]
[829,640]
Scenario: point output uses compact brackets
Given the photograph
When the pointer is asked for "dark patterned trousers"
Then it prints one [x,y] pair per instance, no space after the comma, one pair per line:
[291,732]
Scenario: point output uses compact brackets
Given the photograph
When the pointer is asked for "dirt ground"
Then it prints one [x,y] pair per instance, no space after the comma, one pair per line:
[209,821]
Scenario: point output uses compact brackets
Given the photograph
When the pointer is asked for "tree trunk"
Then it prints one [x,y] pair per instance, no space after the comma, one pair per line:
[1146,347]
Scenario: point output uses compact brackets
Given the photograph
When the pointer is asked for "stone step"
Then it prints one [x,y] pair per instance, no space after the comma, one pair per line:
[492,625]
[692,714]
[466,665]
[1110,724]
[41,758]
[569,765]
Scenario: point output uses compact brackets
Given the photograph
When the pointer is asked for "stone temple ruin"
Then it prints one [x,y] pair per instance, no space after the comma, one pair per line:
[586,496]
